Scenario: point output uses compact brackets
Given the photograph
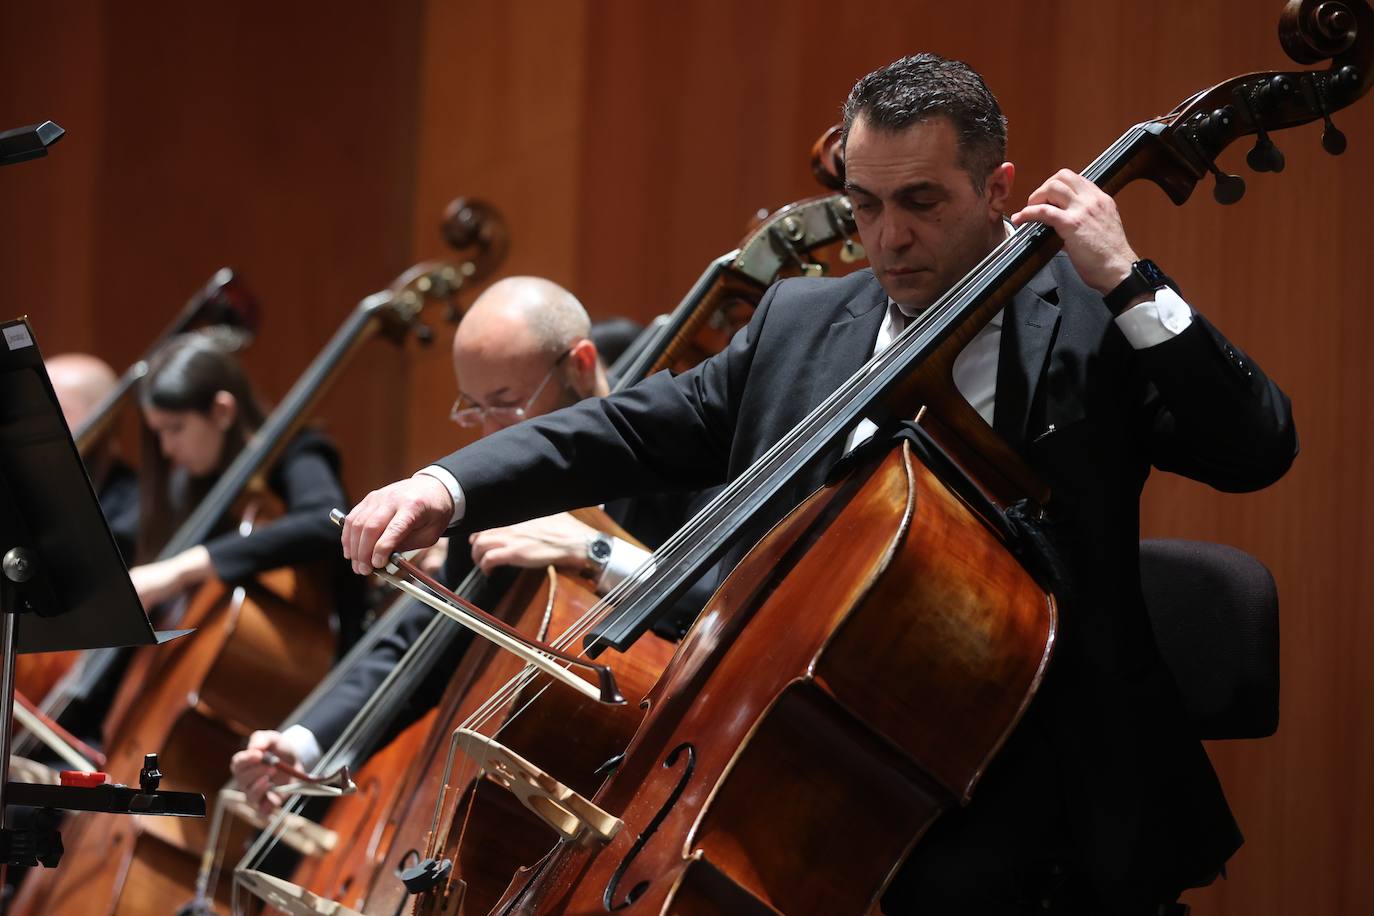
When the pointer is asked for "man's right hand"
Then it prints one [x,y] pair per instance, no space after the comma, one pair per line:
[256,776]
[405,515]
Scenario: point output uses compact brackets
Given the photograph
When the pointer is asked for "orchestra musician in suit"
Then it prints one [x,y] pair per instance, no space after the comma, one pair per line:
[82,382]
[1102,800]
[522,350]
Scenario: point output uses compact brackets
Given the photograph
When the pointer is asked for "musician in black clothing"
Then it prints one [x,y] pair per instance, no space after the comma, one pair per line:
[523,349]
[82,382]
[199,412]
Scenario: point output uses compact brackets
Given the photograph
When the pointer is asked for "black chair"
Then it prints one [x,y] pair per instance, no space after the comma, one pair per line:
[1215,612]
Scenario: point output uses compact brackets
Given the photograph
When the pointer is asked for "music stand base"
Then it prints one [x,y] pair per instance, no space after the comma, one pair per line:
[39,844]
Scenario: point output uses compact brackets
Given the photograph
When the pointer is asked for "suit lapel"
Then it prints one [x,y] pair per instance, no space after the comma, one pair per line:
[848,345]
[1028,329]
[849,341]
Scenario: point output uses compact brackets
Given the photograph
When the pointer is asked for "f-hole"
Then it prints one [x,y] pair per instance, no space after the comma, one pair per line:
[642,840]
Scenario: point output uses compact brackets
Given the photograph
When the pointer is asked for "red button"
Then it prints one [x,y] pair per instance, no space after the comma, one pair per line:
[83,780]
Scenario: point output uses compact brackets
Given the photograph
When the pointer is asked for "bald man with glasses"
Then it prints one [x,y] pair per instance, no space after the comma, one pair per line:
[468,412]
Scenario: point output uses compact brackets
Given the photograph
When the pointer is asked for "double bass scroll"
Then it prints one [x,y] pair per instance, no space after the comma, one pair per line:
[223,306]
[812,237]
[827,159]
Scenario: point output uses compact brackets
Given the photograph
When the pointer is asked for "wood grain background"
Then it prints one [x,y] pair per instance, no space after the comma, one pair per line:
[313,147]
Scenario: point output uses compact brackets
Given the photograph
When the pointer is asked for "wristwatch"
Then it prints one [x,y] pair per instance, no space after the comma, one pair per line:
[598,554]
[1145,277]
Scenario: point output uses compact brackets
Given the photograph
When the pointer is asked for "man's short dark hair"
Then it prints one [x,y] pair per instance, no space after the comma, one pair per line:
[922,86]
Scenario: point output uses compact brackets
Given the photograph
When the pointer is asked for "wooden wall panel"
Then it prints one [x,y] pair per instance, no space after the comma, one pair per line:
[501,119]
[47,244]
[629,143]
[257,135]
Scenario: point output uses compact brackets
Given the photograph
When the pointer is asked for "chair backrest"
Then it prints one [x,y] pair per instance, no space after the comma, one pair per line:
[1215,612]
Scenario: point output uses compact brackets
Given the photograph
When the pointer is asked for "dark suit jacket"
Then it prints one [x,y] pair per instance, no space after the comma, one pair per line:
[119,502]
[307,481]
[1086,410]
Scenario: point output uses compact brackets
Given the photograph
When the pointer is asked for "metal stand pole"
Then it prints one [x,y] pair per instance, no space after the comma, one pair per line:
[17,567]
[6,701]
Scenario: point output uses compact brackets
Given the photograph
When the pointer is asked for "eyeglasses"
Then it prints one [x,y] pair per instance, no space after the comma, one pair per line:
[502,416]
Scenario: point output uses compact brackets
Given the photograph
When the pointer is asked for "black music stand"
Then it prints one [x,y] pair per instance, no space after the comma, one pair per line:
[63,586]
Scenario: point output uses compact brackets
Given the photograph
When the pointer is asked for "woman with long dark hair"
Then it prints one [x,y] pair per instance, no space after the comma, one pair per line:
[199,412]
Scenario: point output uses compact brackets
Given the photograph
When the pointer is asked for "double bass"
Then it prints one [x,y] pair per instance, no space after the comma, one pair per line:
[853,677]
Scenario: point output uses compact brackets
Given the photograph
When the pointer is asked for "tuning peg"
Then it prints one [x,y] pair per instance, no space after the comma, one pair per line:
[1216,126]
[1229,188]
[1272,93]
[1346,80]
[1333,140]
[1265,156]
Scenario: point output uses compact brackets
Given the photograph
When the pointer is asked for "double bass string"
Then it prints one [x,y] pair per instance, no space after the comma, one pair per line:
[364,728]
[371,720]
[373,717]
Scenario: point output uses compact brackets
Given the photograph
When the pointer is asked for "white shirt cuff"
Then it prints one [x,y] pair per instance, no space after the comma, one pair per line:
[1155,320]
[625,559]
[451,484]
[303,744]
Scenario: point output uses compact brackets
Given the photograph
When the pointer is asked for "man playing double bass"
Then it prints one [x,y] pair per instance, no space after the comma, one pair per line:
[1102,801]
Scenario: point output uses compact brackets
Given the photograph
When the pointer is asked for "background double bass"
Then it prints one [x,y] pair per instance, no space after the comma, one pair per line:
[225,309]
[257,649]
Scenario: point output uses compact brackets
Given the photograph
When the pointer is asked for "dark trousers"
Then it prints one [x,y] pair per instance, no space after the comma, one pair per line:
[1009,852]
